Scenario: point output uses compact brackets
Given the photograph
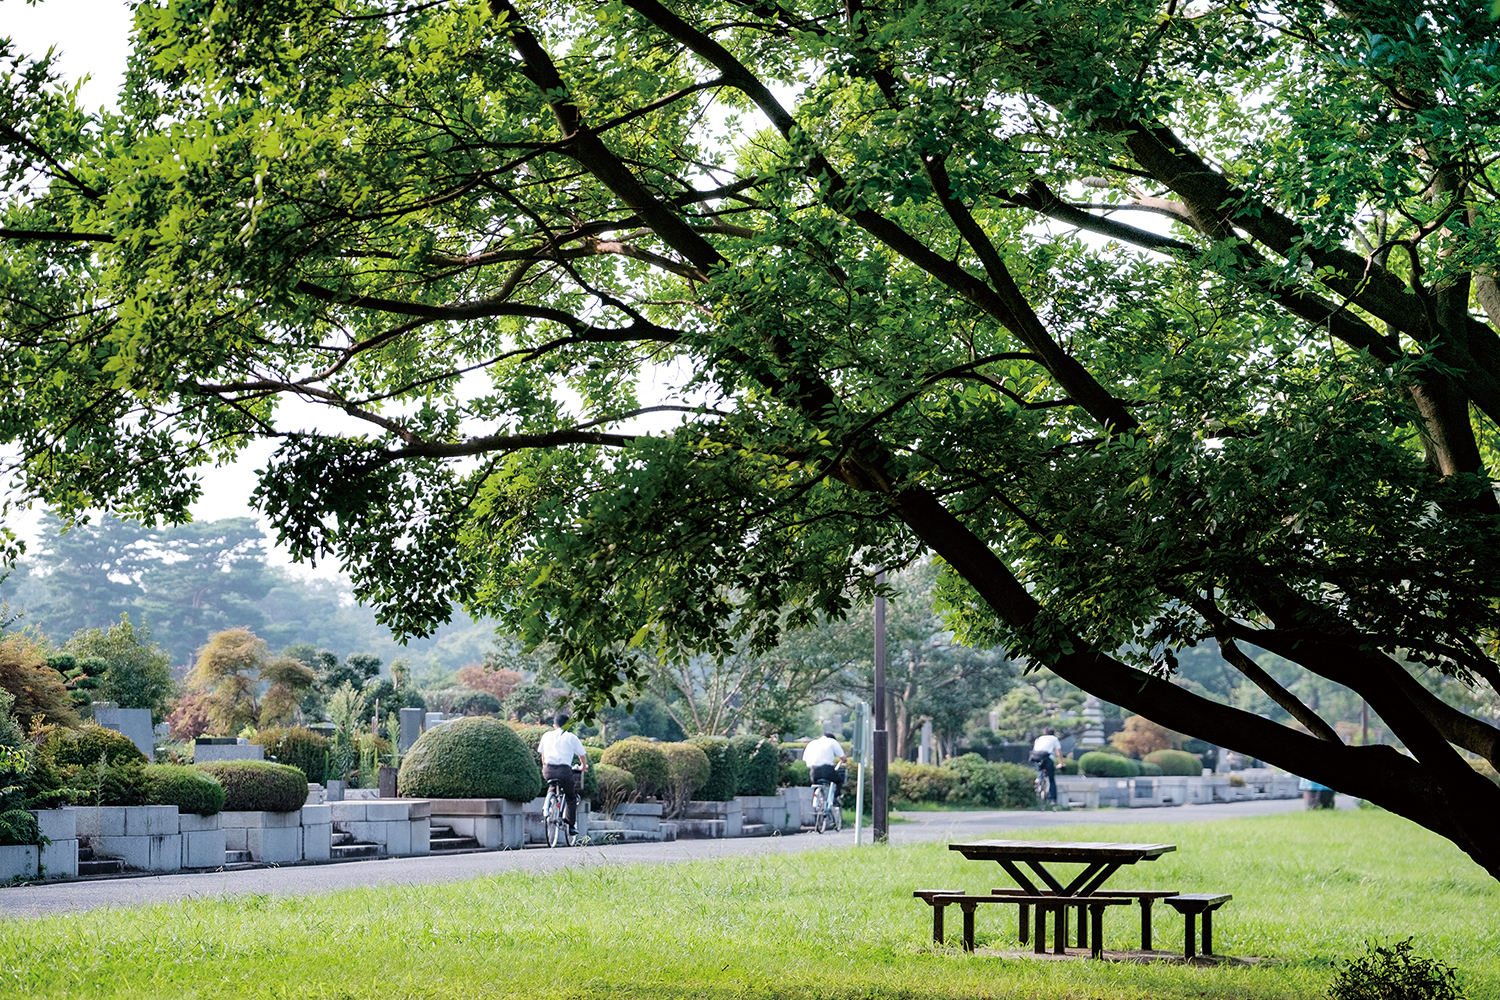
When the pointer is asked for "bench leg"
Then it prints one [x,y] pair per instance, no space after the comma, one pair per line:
[969,909]
[1083,925]
[1060,932]
[1145,923]
[1025,922]
[1208,932]
[1097,917]
[1039,939]
[1187,934]
[937,922]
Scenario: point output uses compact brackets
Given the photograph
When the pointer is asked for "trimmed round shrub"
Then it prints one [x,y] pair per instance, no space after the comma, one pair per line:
[724,767]
[84,746]
[794,774]
[477,758]
[187,788]
[258,785]
[1178,762]
[687,771]
[297,747]
[643,759]
[1150,770]
[1107,765]
[924,782]
[760,769]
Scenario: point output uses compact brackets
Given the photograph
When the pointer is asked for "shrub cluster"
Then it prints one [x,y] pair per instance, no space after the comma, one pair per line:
[187,788]
[258,785]
[688,770]
[643,759]
[103,765]
[760,770]
[725,763]
[980,782]
[475,758]
[613,786]
[1097,764]
[1395,973]
[297,747]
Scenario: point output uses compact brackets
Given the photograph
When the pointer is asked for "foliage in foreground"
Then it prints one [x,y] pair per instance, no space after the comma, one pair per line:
[1394,973]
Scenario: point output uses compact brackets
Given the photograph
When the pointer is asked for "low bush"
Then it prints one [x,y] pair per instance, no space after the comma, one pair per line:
[1150,770]
[258,785]
[1394,973]
[475,758]
[1067,765]
[760,769]
[187,788]
[645,760]
[724,767]
[978,782]
[104,766]
[297,747]
[793,774]
[1175,762]
[613,786]
[85,745]
[688,770]
[1098,764]
[924,782]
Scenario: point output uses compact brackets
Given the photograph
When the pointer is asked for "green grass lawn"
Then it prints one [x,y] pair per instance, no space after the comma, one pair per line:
[1308,888]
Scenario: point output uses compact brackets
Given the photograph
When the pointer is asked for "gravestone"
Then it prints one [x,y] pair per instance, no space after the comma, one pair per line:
[132,722]
[411,728]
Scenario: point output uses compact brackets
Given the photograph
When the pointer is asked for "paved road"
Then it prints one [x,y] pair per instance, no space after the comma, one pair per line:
[66,897]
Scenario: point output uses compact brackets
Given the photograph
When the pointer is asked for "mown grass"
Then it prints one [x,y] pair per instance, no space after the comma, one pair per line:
[1308,888]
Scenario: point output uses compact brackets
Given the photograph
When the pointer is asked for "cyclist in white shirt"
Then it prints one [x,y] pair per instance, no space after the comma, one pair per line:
[1046,751]
[558,749]
[820,756]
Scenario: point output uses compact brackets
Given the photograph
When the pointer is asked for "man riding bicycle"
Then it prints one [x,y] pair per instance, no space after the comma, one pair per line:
[1045,751]
[821,756]
[558,749]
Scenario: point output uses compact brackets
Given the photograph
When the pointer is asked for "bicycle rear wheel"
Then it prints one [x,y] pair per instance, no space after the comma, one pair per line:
[836,814]
[820,809]
[1043,790]
[556,832]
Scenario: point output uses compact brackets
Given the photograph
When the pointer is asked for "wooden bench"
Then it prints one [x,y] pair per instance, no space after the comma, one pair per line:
[1057,905]
[1145,896]
[1190,905]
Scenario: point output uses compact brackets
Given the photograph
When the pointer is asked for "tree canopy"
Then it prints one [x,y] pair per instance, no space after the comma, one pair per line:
[664,326]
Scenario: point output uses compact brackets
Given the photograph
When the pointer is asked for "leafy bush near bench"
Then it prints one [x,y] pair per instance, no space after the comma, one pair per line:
[1175,762]
[643,759]
[724,766]
[979,782]
[258,785]
[760,771]
[1107,765]
[298,747]
[477,758]
[921,782]
[187,788]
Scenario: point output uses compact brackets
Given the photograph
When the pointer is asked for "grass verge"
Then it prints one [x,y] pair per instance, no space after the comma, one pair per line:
[1309,889]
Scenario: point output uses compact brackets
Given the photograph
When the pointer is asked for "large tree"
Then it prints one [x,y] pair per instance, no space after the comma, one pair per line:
[660,320]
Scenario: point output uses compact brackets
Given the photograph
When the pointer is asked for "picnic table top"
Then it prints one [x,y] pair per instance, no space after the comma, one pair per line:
[1059,851]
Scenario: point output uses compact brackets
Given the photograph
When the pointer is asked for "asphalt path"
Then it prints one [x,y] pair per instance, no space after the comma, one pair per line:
[293,880]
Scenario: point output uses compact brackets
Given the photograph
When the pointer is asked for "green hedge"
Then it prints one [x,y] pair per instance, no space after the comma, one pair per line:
[643,759]
[794,774]
[760,770]
[187,788]
[1178,762]
[979,782]
[258,785]
[84,746]
[1107,765]
[922,782]
[724,763]
[688,770]
[298,747]
[1150,770]
[477,758]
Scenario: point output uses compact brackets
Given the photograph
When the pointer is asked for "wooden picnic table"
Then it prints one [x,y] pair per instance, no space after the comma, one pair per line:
[1100,861]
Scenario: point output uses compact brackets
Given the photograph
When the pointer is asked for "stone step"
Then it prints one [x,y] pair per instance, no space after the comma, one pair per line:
[353,851]
[755,830]
[236,857]
[442,845]
[101,866]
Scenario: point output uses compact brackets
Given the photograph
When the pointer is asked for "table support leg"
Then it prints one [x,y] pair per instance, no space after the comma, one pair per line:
[1060,932]
[1187,935]
[969,909]
[1025,921]
[1096,914]
[1039,939]
[1208,932]
[937,922]
[1145,923]
[1083,925]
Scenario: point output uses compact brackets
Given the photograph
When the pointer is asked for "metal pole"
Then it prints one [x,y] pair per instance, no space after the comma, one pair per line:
[861,761]
[880,746]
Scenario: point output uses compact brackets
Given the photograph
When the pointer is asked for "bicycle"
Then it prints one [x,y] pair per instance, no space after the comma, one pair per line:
[826,812]
[1043,787]
[555,812]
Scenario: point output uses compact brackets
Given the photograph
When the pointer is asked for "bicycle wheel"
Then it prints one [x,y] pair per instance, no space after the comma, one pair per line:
[553,814]
[1043,790]
[820,810]
[836,811]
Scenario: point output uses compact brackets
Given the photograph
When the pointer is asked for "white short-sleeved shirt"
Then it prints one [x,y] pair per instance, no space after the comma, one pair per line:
[823,750]
[560,747]
[1049,743]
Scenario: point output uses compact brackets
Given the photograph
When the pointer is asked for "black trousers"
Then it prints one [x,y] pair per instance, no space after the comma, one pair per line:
[563,775]
[827,772]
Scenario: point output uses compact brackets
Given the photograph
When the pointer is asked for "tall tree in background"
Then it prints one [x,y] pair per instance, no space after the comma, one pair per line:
[1268,427]
[227,677]
[137,670]
[206,579]
[91,572]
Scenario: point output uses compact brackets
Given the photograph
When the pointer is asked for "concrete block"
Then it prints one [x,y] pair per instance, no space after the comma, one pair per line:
[193,823]
[421,837]
[411,727]
[467,807]
[236,838]
[205,752]
[317,842]
[101,821]
[386,811]
[418,808]
[134,851]
[57,824]
[166,852]
[1173,789]
[17,861]
[366,832]
[260,820]
[316,816]
[151,821]
[1145,792]
[60,859]
[488,831]
[317,795]
[274,845]
[397,838]
[347,811]
[204,848]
